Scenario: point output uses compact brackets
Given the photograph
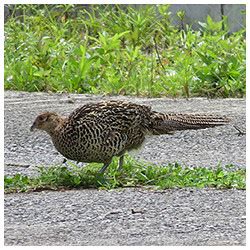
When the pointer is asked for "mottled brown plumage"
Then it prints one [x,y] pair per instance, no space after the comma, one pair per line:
[96,132]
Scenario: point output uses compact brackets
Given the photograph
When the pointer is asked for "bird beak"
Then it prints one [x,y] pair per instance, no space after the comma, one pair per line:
[32,127]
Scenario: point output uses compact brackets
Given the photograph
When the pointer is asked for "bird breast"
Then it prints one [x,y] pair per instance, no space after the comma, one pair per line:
[88,142]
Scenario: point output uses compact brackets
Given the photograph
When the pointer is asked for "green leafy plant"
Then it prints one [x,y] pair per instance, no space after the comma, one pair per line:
[134,174]
[114,49]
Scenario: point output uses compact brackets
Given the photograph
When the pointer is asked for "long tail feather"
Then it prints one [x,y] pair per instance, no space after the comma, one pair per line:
[167,123]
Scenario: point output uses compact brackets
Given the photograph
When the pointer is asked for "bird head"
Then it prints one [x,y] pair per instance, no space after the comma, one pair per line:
[47,121]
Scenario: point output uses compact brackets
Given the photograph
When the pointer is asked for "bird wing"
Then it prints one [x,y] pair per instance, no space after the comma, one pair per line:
[116,115]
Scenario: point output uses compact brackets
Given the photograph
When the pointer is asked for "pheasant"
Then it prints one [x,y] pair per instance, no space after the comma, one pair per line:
[96,132]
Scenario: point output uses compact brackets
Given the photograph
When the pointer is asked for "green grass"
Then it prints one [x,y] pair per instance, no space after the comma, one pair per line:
[134,174]
[117,50]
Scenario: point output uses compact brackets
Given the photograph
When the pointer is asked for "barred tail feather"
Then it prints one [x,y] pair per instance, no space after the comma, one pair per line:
[167,123]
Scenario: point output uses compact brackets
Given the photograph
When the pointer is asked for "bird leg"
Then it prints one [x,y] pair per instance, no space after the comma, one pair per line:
[120,163]
[101,171]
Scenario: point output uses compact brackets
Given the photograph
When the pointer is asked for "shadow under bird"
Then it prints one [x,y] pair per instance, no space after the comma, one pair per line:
[96,132]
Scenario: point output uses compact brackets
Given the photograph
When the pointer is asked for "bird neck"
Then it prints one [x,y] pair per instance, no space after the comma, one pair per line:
[56,125]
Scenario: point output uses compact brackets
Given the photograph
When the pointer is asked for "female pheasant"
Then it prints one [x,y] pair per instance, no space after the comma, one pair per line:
[96,132]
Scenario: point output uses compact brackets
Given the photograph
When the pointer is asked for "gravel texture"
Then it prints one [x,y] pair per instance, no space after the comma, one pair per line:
[128,216]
